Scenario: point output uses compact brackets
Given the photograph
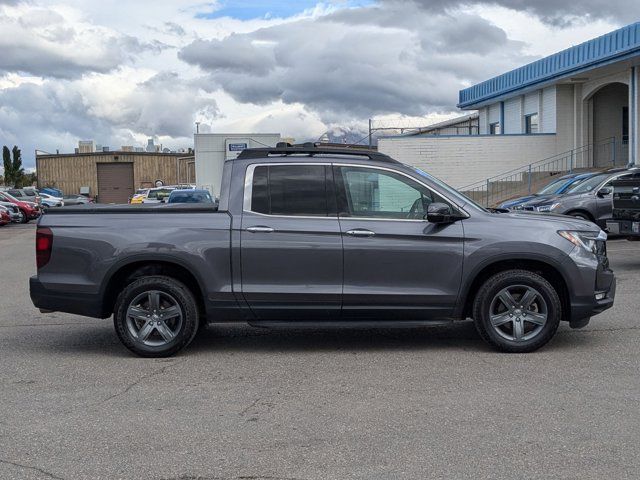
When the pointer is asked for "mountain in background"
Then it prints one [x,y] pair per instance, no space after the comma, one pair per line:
[346,135]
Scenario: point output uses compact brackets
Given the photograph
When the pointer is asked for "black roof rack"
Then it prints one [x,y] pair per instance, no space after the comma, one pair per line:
[312,149]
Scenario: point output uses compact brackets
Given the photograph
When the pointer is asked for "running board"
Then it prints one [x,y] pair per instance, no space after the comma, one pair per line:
[349,324]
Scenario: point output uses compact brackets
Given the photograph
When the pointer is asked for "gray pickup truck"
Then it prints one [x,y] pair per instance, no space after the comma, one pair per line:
[305,236]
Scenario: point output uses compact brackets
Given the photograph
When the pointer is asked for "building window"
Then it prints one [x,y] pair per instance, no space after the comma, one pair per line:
[494,128]
[625,125]
[531,124]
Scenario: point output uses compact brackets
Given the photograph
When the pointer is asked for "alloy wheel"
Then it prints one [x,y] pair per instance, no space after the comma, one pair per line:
[518,313]
[154,318]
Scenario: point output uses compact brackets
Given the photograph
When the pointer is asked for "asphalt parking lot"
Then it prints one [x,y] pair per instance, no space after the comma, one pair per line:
[245,404]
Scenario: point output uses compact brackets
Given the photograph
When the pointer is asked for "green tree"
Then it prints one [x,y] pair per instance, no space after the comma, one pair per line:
[6,163]
[16,165]
[13,171]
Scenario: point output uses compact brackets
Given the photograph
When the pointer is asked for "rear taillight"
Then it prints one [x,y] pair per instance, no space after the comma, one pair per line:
[44,243]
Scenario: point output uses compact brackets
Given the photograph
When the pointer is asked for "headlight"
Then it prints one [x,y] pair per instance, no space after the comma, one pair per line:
[547,208]
[586,240]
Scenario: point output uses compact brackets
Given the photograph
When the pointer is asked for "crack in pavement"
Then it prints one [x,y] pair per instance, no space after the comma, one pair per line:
[29,325]
[612,329]
[29,467]
[142,379]
[241,477]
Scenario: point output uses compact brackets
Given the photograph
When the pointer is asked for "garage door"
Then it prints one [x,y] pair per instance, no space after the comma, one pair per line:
[115,182]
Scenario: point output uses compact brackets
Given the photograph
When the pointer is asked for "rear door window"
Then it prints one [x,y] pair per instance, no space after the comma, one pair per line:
[290,190]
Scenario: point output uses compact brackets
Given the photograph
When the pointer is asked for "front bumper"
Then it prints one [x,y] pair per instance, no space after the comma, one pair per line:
[626,228]
[583,308]
[89,305]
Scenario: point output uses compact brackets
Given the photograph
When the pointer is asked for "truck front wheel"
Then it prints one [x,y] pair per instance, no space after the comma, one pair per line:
[517,311]
[156,316]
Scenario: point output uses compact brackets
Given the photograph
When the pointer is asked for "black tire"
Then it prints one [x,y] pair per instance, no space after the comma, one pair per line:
[170,289]
[24,218]
[547,298]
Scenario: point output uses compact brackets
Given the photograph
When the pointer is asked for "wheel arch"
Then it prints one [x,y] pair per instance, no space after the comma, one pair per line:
[581,211]
[550,272]
[125,272]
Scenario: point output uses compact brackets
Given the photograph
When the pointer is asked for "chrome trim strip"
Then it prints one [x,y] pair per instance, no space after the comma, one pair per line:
[248,191]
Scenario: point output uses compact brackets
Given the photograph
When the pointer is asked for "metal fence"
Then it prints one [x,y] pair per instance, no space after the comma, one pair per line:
[529,178]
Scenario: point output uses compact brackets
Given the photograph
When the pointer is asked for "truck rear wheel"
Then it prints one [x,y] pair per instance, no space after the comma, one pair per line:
[156,316]
[517,311]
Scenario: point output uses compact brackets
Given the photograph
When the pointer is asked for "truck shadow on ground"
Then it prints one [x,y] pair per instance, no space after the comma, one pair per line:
[100,339]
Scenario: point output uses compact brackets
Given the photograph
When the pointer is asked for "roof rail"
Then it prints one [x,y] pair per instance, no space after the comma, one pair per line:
[311,149]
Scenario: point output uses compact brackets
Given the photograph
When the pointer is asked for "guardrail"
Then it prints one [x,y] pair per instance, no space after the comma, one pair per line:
[529,178]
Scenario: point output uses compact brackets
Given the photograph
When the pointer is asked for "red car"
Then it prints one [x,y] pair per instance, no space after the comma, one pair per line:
[29,210]
[4,216]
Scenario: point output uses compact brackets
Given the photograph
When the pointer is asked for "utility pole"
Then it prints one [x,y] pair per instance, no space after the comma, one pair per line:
[197,127]
[370,139]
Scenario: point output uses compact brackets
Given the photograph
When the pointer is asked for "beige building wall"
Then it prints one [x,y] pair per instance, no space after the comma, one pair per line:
[71,171]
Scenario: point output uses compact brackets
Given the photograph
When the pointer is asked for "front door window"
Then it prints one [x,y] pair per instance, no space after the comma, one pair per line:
[373,193]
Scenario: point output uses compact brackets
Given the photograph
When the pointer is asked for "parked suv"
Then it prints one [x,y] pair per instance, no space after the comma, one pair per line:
[14,211]
[555,187]
[5,216]
[28,210]
[47,201]
[590,199]
[25,194]
[304,236]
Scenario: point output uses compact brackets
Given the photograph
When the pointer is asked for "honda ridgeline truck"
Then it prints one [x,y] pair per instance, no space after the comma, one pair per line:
[304,236]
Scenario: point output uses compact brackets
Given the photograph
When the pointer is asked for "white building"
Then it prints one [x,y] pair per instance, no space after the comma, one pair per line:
[212,149]
[576,108]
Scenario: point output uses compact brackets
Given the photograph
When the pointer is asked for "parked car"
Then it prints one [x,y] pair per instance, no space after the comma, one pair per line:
[14,211]
[25,194]
[157,195]
[76,200]
[305,236]
[626,208]
[589,200]
[54,192]
[28,210]
[5,216]
[190,196]
[555,187]
[139,196]
[47,201]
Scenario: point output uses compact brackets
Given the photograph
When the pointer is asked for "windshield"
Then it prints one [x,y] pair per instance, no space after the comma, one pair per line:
[462,198]
[554,186]
[588,185]
[190,197]
[160,194]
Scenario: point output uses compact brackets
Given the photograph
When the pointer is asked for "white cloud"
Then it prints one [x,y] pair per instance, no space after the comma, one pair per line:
[119,72]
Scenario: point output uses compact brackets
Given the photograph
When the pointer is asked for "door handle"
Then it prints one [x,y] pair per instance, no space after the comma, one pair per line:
[260,229]
[360,232]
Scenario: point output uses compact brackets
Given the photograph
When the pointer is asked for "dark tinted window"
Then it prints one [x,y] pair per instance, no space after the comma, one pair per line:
[290,190]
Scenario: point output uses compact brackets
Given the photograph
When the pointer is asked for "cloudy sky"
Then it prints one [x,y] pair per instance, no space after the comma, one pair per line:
[120,72]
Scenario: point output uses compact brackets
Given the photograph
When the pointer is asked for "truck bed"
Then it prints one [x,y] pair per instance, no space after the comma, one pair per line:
[148,208]
[92,243]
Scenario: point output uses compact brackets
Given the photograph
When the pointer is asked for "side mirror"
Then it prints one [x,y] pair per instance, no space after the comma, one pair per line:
[440,213]
[605,191]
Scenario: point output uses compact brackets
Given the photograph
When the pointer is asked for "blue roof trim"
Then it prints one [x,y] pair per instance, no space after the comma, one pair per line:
[588,54]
